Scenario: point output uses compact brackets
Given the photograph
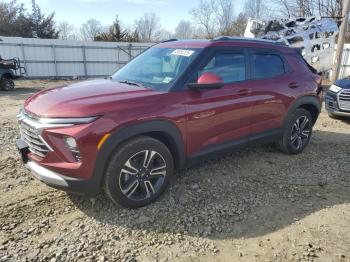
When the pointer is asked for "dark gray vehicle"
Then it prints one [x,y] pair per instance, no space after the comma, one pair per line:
[10,69]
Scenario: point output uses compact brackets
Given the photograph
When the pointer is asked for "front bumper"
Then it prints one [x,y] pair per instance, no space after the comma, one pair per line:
[49,177]
[332,106]
[88,187]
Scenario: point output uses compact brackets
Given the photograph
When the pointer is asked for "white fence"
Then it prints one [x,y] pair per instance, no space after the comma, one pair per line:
[61,58]
[345,65]
[55,58]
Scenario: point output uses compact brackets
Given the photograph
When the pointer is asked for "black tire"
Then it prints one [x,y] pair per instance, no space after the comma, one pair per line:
[294,141]
[127,165]
[7,84]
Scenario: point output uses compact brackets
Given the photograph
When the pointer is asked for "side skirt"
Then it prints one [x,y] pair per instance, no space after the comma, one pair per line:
[219,150]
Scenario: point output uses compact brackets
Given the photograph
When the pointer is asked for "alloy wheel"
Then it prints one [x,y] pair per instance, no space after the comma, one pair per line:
[142,175]
[301,130]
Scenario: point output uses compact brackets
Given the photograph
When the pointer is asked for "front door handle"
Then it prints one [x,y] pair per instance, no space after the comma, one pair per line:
[243,92]
[293,85]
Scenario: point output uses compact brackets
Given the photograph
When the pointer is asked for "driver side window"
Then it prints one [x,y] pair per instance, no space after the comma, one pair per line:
[229,66]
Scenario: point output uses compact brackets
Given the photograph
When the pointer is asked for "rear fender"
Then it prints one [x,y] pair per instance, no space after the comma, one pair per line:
[303,102]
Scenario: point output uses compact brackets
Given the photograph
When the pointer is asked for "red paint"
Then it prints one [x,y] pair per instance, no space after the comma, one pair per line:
[204,118]
[209,78]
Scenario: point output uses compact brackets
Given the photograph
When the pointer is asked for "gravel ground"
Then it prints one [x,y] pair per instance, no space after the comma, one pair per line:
[253,205]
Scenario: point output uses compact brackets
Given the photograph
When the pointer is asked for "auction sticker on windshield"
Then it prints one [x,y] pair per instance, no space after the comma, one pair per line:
[182,52]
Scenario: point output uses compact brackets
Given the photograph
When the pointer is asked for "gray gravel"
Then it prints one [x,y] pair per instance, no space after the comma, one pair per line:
[219,210]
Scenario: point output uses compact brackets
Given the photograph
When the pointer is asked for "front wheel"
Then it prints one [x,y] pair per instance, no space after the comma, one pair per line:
[138,172]
[297,132]
[7,84]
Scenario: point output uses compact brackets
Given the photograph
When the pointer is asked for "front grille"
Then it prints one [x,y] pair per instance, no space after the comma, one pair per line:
[32,138]
[344,100]
[330,103]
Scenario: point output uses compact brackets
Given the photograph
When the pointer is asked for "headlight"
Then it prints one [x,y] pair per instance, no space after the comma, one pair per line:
[335,88]
[72,145]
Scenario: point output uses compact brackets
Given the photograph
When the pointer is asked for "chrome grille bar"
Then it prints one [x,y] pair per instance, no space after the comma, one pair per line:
[31,135]
[344,100]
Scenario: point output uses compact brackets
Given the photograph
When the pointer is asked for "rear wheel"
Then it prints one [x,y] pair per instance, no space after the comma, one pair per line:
[7,84]
[139,172]
[297,132]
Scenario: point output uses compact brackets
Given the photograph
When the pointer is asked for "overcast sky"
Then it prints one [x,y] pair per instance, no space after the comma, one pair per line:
[77,12]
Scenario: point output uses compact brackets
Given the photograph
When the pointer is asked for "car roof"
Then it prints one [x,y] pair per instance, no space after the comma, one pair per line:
[224,41]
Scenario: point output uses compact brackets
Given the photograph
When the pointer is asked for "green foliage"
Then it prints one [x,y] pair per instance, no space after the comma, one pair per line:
[14,21]
[116,33]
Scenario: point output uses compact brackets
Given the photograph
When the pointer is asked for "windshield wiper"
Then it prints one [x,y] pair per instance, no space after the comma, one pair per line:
[132,83]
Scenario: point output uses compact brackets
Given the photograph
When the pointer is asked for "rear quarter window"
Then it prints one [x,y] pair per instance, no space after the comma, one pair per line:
[267,66]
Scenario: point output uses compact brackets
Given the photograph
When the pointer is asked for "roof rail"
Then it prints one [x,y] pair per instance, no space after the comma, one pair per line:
[170,40]
[246,39]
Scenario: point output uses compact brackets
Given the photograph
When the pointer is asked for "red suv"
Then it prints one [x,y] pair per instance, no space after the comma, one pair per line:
[177,102]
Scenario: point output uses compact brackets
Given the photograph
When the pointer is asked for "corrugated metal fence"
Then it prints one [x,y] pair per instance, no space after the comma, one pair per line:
[345,65]
[55,58]
[44,58]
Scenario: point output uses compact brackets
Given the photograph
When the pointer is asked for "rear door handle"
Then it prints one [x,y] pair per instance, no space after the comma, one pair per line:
[293,85]
[243,92]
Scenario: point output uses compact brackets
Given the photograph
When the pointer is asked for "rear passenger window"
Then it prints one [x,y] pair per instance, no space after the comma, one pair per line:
[229,66]
[267,65]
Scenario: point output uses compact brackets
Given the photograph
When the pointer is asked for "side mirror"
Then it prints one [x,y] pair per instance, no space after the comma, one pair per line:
[207,81]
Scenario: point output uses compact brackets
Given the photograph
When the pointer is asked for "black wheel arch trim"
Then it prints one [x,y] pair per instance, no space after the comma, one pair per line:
[7,72]
[143,128]
[301,103]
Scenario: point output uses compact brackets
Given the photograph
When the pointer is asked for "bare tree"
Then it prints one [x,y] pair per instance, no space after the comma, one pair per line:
[184,29]
[239,24]
[256,9]
[223,10]
[215,16]
[66,31]
[91,29]
[147,26]
[285,8]
[204,15]
[295,8]
[199,32]
[161,35]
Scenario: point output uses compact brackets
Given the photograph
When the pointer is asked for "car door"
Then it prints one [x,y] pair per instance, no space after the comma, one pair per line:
[217,117]
[269,90]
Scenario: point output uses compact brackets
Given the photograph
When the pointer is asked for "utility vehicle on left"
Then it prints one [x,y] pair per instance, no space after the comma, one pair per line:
[10,69]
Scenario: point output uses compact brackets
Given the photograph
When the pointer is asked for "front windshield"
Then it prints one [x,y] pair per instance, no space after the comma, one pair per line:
[157,68]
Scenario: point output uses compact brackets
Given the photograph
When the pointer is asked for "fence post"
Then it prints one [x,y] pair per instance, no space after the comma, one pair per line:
[55,59]
[343,66]
[118,61]
[130,55]
[84,60]
[24,57]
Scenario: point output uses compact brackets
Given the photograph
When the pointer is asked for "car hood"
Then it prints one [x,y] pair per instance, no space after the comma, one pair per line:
[88,98]
[343,83]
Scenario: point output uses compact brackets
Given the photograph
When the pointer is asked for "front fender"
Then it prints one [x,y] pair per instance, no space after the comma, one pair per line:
[133,130]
